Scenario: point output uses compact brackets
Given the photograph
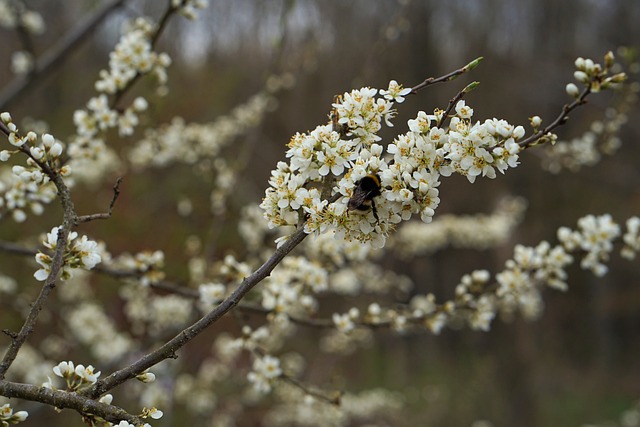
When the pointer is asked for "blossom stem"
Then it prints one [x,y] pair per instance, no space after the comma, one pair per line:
[447,77]
[560,120]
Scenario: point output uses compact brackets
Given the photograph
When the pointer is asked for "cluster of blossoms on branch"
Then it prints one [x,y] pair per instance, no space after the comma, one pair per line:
[323,173]
[516,289]
[79,253]
[603,136]
[340,154]
[29,186]
[78,377]
[7,416]
[132,57]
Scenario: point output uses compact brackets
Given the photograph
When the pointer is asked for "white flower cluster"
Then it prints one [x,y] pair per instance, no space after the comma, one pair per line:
[593,75]
[602,138]
[29,186]
[147,264]
[480,231]
[154,314]
[211,293]
[292,285]
[133,56]
[479,149]
[517,289]
[194,142]
[76,377]
[531,267]
[595,236]
[99,116]
[79,253]
[7,416]
[266,369]
[92,327]
[383,406]
[189,8]
[409,176]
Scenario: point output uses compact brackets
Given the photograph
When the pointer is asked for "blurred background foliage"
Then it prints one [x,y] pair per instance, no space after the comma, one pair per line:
[579,363]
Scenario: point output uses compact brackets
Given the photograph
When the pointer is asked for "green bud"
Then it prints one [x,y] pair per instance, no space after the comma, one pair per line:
[608,60]
[473,64]
[471,86]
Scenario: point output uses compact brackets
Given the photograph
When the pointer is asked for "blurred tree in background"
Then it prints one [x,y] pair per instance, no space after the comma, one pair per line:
[578,363]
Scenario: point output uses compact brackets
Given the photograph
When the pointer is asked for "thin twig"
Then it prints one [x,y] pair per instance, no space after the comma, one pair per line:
[447,77]
[560,120]
[106,215]
[335,401]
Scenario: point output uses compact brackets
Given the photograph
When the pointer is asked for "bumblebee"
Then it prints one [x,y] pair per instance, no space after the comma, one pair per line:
[366,189]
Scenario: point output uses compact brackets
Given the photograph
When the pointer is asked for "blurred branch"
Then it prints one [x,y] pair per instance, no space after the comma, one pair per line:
[57,53]
[169,349]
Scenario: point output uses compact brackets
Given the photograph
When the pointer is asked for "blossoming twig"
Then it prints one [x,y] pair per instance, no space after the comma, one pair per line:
[106,215]
[447,77]
[63,399]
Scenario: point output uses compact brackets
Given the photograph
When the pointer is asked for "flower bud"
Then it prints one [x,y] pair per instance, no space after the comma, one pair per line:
[48,140]
[536,121]
[572,90]
[581,76]
[37,152]
[106,399]
[56,150]
[589,65]
[609,59]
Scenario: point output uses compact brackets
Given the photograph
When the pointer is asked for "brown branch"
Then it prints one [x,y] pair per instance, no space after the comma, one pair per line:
[13,248]
[560,120]
[169,349]
[38,304]
[335,401]
[447,77]
[66,400]
[4,128]
[106,215]
[69,220]
[57,54]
